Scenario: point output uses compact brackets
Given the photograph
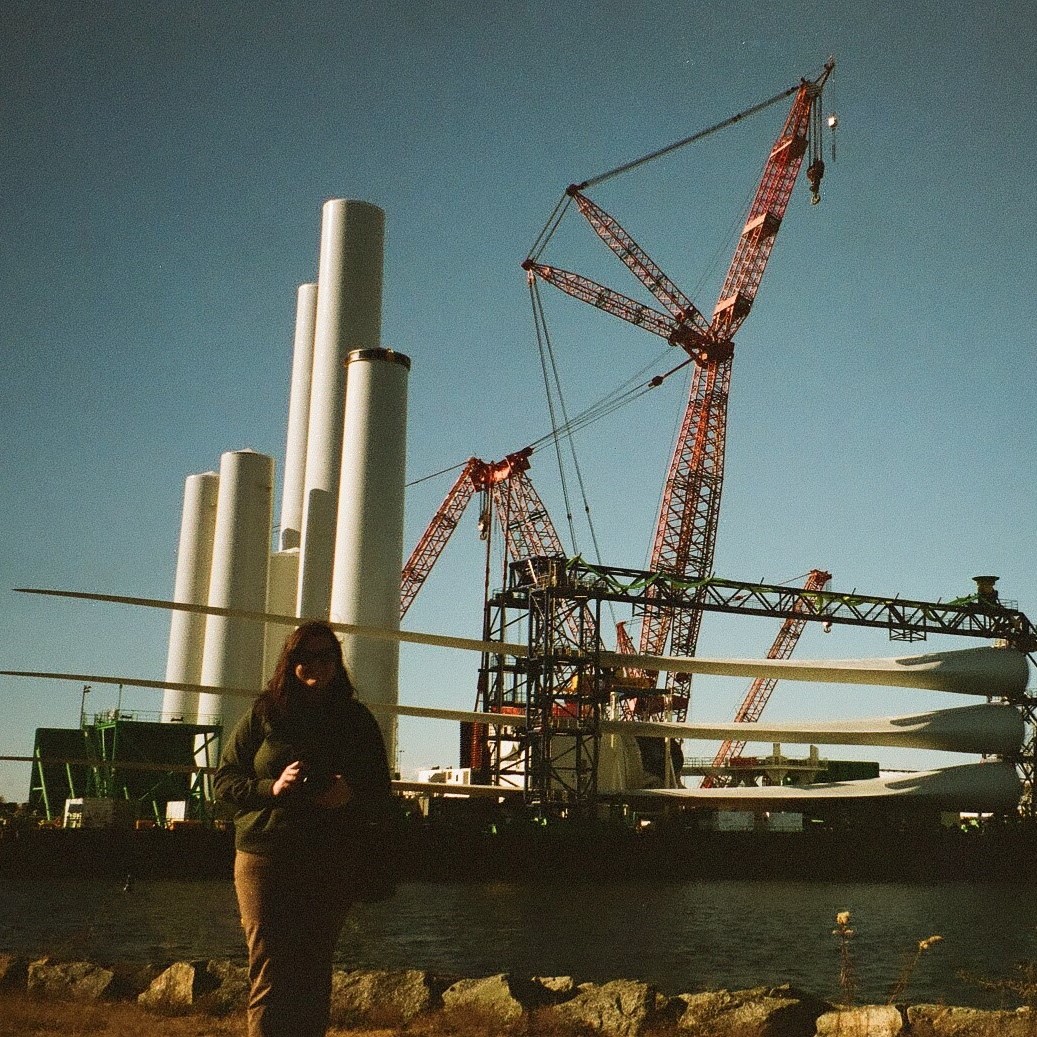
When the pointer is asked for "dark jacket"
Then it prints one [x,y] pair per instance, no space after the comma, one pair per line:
[341,737]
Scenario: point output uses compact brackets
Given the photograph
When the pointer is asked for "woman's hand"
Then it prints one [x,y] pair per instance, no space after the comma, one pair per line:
[291,778]
[337,794]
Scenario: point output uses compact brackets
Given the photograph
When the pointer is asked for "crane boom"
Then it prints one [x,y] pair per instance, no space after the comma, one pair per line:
[434,539]
[638,262]
[767,211]
[528,529]
[527,517]
[686,530]
[604,298]
[520,510]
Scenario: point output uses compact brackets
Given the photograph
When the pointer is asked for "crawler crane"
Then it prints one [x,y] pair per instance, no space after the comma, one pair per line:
[686,529]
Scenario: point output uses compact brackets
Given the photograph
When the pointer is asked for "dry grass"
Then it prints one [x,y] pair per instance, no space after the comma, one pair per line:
[23,1016]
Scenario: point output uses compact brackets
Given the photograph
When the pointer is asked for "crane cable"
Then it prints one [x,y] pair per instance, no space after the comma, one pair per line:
[551,226]
[730,121]
[547,358]
[619,397]
[546,353]
[435,475]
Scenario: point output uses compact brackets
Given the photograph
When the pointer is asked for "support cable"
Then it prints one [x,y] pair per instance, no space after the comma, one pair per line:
[544,350]
[616,399]
[435,475]
[628,166]
[567,430]
[549,228]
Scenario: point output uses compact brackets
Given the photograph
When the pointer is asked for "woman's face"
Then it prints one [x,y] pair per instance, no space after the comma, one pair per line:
[316,663]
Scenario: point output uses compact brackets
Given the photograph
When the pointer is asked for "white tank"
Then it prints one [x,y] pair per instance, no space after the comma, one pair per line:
[369,537]
[282,583]
[191,586]
[349,306]
[298,421]
[233,655]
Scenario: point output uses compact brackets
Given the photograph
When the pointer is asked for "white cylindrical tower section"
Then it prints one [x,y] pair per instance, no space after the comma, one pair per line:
[294,482]
[233,655]
[349,311]
[191,586]
[369,536]
[282,584]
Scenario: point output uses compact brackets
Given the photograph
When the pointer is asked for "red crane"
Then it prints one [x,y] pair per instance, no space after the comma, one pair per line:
[528,533]
[686,529]
[760,690]
[528,529]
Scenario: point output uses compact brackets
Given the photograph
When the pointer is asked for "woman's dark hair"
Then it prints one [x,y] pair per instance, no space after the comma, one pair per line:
[282,690]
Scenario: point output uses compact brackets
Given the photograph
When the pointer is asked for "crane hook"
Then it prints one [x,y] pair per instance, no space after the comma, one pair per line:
[815,171]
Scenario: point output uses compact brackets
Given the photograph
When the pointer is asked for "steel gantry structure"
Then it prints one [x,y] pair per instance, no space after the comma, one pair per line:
[560,690]
[686,528]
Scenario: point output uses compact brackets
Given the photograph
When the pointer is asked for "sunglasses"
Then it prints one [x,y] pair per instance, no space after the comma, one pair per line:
[314,655]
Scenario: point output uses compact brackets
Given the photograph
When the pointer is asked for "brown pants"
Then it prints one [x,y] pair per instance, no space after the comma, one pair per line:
[292,919]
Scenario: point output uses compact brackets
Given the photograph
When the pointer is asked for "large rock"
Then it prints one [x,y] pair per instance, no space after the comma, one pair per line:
[14,972]
[232,992]
[622,1008]
[491,996]
[180,986]
[553,989]
[760,1011]
[863,1021]
[940,1021]
[68,980]
[379,996]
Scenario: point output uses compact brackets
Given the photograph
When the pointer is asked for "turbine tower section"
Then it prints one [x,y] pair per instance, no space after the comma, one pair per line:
[369,537]
[348,318]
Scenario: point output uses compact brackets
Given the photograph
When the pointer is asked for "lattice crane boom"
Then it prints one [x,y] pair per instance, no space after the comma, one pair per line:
[604,298]
[483,477]
[768,210]
[686,531]
[638,262]
[434,539]
[528,529]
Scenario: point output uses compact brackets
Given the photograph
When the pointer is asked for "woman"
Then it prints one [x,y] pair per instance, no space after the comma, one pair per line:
[306,771]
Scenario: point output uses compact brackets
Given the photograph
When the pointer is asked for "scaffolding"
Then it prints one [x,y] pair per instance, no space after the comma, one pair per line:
[557,694]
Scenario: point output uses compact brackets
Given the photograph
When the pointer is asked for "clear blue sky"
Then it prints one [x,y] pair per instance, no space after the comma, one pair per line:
[163,168]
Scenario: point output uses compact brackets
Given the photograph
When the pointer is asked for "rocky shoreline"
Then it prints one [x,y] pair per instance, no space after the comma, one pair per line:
[396,1000]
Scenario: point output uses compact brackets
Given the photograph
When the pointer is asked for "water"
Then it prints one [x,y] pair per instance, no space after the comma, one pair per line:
[682,936]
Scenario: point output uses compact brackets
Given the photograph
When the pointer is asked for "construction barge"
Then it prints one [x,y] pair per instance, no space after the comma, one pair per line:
[522,850]
[542,794]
